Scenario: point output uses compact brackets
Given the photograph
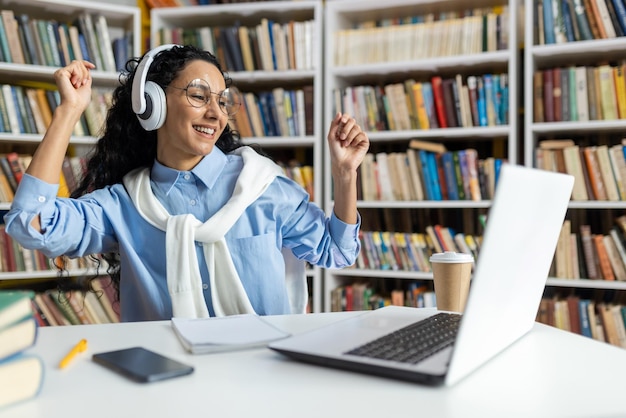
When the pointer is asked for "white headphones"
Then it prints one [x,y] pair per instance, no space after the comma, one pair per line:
[148,98]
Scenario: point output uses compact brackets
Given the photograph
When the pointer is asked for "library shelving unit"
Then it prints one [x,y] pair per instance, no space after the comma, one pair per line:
[366,45]
[121,21]
[259,76]
[587,129]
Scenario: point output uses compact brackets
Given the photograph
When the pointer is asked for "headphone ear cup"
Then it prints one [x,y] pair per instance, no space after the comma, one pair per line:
[156,108]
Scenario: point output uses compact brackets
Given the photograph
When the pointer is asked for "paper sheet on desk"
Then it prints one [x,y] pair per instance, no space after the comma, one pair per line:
[210,335]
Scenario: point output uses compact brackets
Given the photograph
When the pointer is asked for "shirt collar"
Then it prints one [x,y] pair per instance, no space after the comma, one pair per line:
[207,171]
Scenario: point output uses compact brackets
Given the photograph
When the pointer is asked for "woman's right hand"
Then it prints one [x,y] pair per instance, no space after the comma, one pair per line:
[74,84]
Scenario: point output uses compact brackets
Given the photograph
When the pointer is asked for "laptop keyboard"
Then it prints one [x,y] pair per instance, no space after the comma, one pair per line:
[414,342]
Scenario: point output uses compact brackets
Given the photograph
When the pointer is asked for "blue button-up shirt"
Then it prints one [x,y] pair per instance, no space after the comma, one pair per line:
[106,220]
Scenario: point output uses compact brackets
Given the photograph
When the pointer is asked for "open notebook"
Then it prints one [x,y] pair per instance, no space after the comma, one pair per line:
[519,242]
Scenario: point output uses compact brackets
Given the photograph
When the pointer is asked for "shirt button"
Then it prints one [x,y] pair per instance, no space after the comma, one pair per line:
[41,199]
[205,286]
[192,202]
[187,176]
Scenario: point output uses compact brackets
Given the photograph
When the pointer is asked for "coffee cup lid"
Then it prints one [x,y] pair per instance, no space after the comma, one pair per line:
[451,257]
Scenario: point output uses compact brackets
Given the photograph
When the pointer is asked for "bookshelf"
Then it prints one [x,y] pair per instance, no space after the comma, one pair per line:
[450,49]
[573,74]
[587,127]
[295,74]
[36,70]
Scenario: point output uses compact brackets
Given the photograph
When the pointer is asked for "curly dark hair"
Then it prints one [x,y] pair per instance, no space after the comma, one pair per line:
[125,144]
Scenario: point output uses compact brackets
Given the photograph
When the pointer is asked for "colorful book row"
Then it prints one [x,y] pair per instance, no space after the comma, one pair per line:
[268,46]
[560,21]
[580,93]
[360,296]
[279,112]
[15,258]
[599,170]
[411,251]
[28,110]
[418,174]
[469,101]
[602,321]
[14,165]
[583,254]
[472,31]
[25,40]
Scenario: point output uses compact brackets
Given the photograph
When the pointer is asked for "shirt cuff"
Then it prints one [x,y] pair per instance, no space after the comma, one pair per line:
[34,193]
[346,235]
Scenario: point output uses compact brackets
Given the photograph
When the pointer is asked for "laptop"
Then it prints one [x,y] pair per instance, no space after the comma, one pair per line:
[519,243]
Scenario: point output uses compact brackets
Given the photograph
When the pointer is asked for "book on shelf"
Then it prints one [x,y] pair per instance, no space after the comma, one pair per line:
[608,323]
[583,312]
[595,322]
[591,261]
[617,264]
[569,21]
[419,144]
[581,18]
[619,80]
[605,21]
[12,34]
[606,171]
[384,176]
[538,109]
[592,16]
[483,119]
[547,88]
[604,262]
[449,102]
[562,253]
[595,173]
[573,166]
[438,98]
[619,8]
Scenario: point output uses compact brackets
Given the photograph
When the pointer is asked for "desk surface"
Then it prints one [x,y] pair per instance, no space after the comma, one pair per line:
[548,373]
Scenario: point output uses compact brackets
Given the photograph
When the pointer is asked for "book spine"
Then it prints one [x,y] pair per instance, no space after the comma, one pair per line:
[581,19]
[620,12]
[439,101]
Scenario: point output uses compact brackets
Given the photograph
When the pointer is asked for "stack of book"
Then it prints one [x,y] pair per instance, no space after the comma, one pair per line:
[21,371]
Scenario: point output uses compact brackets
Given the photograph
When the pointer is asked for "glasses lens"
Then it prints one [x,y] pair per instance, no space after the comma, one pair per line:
[230,100]
[198,93]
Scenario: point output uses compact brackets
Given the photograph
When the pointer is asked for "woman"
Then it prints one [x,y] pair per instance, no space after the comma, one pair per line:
[197,221]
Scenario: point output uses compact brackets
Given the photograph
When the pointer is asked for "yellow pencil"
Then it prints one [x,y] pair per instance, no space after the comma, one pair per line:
[78,348]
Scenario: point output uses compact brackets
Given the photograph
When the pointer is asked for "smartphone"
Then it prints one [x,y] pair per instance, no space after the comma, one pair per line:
[142,365]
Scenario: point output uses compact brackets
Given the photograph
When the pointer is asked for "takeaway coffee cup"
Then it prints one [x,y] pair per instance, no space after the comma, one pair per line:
[451,273]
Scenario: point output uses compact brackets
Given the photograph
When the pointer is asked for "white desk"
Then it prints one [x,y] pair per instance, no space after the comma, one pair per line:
[549,373]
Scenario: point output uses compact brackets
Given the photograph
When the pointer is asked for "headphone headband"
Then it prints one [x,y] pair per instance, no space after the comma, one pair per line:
[139,82]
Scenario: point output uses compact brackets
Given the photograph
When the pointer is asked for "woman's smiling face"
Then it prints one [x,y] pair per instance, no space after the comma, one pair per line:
[189,133]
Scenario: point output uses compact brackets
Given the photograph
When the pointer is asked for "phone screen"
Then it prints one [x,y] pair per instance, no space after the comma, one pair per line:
[142,365]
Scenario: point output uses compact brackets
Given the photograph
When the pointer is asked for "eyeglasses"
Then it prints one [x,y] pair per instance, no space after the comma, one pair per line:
[199,94]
